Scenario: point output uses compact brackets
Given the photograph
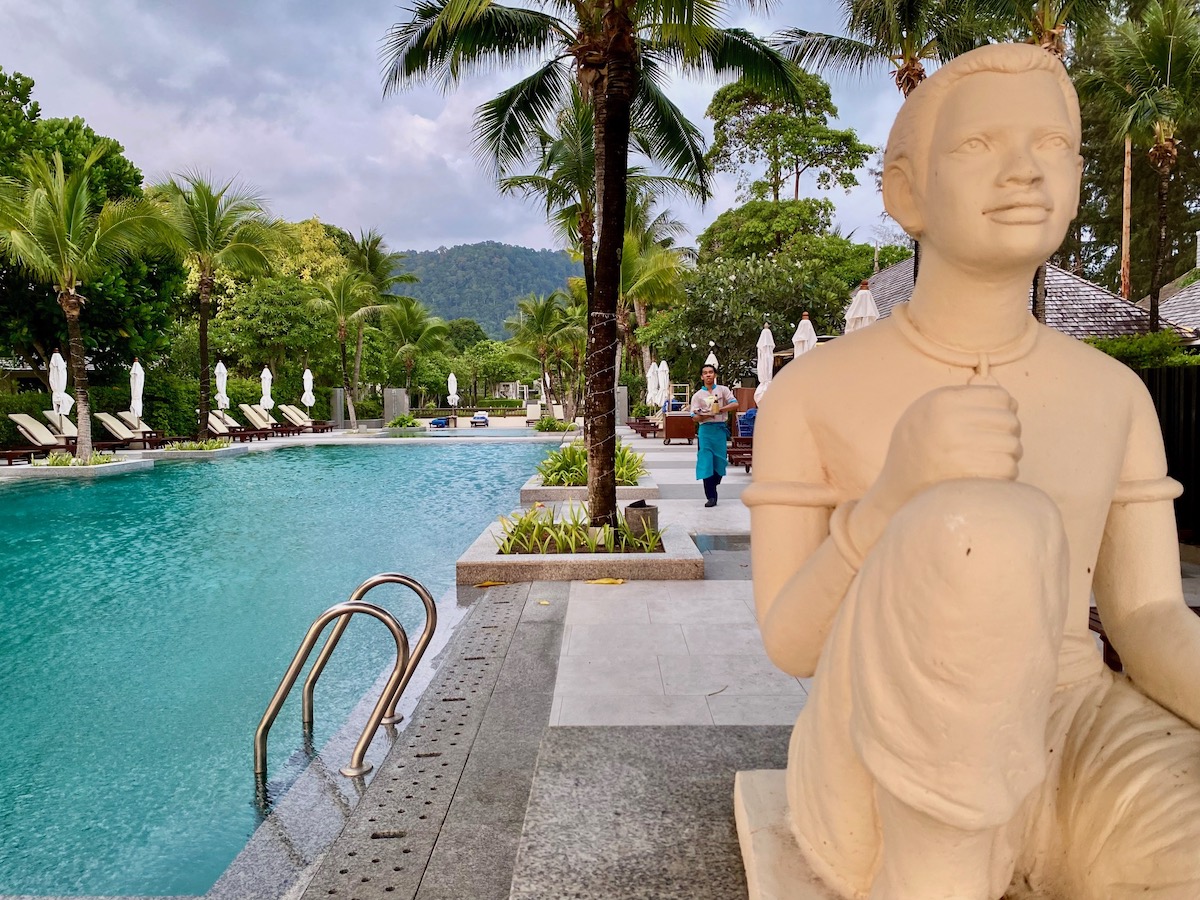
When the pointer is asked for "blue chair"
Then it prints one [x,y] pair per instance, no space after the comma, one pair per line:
[440,422]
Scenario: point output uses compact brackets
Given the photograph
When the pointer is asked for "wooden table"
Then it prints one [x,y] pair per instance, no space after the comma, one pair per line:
[679,426]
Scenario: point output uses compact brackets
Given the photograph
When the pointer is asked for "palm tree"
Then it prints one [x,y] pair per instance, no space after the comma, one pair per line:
[381,270]
[346,300]
[413,330]
[615,52]
[906,35]
[536,326]
[225,227]
[1149,80]
[51,227]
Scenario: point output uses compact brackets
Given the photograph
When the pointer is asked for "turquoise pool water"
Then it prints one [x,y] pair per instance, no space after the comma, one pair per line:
[145,621]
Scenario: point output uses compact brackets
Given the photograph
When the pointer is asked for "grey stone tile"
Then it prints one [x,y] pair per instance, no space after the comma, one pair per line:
[683,610]
[724,640]
[727,565]
[776,709]
[631,590]
[517,715]
[601,640]
[532,658]
[711,589]
[615,610]
[547,602]
[593,675]
[637,813]
[494,787]
[710,675]
[642,710]
[470,861]
[556,709]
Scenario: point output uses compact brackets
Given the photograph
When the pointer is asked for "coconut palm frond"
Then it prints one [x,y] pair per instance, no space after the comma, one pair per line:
[506,126]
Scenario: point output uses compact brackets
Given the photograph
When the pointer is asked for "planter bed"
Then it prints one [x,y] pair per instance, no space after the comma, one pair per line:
[533,491]
[679,560]
[120,467]
[161,455]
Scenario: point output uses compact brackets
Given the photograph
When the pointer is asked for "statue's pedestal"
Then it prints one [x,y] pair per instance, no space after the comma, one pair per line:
[775,870]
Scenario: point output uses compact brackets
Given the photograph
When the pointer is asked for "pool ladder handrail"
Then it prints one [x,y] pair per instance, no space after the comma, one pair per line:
[384,712]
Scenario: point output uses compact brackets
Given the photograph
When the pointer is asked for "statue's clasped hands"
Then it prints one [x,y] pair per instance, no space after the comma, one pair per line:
[970,431]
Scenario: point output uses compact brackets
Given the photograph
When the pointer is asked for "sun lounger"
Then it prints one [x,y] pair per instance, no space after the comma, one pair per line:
[302,420]
[223,425]
[480,419]
[61,426]
[124,437]
[533,413]
[556,409]
[39,435]
[263,420]
[741,452]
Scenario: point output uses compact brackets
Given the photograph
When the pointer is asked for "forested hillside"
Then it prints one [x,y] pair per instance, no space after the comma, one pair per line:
[483,281]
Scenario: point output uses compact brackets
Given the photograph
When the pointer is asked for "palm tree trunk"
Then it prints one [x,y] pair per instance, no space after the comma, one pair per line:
[612,169]
[71,304]
[346,380]
[1160,245]
[206,284]
[587,245]
[357,360]
[639,313]
[1039,294]
[1126,206]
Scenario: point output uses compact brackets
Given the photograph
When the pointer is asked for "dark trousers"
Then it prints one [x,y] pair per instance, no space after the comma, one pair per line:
[710,486]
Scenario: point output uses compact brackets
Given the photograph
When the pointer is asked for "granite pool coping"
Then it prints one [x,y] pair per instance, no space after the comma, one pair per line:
[680,560]
[171,455]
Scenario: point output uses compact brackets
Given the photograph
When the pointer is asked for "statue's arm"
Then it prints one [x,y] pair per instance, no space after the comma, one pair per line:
[800,577]
[1137,584]
[1140,599]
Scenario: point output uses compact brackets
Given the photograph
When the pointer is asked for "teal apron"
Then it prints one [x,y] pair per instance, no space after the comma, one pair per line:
[711,455]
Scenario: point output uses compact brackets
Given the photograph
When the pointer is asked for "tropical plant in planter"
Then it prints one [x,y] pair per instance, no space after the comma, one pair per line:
[567,466]
[536,531]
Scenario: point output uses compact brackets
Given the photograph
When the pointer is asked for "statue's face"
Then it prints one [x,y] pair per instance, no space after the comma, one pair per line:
[1003,179]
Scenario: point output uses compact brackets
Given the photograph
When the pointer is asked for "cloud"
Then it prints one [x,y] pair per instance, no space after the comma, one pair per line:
[286,96]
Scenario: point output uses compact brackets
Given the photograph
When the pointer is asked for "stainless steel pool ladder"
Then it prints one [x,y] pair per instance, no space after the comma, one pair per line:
[384,712]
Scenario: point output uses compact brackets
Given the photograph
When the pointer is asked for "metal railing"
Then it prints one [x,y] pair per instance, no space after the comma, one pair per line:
[384,712]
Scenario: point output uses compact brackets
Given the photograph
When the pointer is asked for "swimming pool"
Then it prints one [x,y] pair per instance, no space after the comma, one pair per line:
[145,621]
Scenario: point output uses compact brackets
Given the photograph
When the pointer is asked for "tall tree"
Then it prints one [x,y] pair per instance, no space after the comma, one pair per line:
[217,227]
[1149,78]
[536,327]
[52,225]
[786,136]
[346,301]
[381,271]
[615,51]
[412,330]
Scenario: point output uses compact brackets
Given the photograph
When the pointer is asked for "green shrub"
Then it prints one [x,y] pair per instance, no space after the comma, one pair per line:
[1146,351]
[536,531]
[368,408]
[549,423]
[30,403]
[404,421]
[641,410]
[210,444]
[63,458]
[567,466]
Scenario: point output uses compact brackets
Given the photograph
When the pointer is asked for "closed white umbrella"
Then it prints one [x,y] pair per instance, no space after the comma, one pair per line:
[265,400]
[60,399]
[711,359]
[137,381]
[308,399]
[862,311]
[452,389]
[766,362]
[805,337]
[664,384]
[222,375]
[652,386]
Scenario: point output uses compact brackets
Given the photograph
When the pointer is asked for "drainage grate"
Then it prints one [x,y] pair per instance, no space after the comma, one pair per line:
[384,849]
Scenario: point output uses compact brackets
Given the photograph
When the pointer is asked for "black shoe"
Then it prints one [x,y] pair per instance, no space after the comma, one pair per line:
[712,501]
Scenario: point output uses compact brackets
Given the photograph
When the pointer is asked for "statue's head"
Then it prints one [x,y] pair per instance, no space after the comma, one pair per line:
[982,164]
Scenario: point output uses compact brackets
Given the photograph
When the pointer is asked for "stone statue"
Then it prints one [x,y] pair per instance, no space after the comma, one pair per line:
[935,499]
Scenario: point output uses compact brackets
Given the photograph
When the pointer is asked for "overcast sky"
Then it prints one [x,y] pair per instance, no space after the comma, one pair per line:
[286,95]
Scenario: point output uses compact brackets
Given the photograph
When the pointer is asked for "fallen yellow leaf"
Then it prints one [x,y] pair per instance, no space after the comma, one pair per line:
[543,603]
[491,583]
[605,581]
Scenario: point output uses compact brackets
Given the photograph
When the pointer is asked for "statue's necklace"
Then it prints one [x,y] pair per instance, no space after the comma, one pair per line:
[979,360]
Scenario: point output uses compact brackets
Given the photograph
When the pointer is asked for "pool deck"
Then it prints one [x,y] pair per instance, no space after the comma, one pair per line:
[580,739]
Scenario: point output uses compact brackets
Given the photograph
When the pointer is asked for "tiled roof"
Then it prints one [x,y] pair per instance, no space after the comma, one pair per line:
[1184,307]
[1074,305]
